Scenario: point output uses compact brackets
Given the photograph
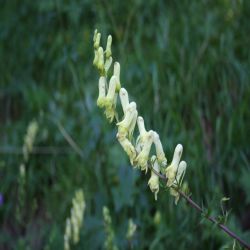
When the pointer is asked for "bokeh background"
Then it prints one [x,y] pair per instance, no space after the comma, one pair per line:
[185,63]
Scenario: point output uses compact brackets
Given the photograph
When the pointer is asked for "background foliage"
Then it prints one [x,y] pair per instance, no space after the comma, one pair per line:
[186,63]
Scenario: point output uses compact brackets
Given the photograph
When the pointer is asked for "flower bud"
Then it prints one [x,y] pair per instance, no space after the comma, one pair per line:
[108,47]
[100,63]
[97,40]
[117,69]
[102,92]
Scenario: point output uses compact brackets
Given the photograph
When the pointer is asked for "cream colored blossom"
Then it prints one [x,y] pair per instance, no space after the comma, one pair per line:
[97,39]
[108,47]
[142,136]
[102,92]
[117,69]
[171,170]
[100,62]
[154,179]
[124,126]
[124,99]
[159,151]
[178,180]
[110,100]
[142,158]
[128,148]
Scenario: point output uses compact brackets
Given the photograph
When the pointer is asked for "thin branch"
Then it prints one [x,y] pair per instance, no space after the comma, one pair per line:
[200,210]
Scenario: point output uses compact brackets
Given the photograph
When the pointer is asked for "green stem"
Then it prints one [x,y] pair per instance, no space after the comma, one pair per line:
[200,210]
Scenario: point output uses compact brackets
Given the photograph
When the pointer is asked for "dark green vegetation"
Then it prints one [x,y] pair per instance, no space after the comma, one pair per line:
[186,63]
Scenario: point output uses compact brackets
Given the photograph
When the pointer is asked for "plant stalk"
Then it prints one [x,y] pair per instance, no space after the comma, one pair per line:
[200,210]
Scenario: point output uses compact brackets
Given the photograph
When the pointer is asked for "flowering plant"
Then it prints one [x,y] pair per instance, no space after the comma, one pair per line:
[140,150]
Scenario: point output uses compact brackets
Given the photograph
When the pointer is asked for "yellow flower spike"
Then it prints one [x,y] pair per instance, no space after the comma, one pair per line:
[172,168]
[97,40]
[142,158]
[117,70]
[159,151]
[125,124]
[154,179]
[102,92]
[124,99]
[178,180]
[108,47]
[128,147]
[100,62]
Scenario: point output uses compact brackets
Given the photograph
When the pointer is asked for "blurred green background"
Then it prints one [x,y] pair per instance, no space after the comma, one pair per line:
[186,64]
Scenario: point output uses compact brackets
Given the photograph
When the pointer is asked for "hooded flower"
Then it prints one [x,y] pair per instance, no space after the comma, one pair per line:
[110,100]
[142,158]
[124,99]
[178,180]
[117,69]
[159,151]
[128,148]
[108,47]
[154,179]
[127,123]
[102,92]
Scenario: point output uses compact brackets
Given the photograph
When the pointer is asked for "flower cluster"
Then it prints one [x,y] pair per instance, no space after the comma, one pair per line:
[139,152]
[109,243]
[74,223]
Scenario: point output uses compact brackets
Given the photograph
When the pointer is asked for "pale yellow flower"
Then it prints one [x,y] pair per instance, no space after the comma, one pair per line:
[102,92]
[124,99]
[126,124]
[154,179]
[142,158]
[100,62]
[159,151]
[117,69]
[110,100]
[128,148]
[178,180]
[108,47]
[97,38]
[171,170]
